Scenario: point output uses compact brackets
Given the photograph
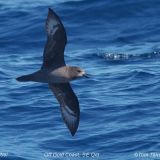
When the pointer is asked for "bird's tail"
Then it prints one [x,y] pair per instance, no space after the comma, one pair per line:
[25,78]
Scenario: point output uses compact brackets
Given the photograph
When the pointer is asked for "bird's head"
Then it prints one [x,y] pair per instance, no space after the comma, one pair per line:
[77,72]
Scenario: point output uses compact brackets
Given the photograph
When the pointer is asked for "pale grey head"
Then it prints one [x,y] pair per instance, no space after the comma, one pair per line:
[77,72]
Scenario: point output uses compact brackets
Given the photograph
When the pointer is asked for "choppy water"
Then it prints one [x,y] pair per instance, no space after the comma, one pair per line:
[115,41]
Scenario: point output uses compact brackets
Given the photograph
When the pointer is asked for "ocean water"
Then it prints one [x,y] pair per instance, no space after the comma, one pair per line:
[118,43]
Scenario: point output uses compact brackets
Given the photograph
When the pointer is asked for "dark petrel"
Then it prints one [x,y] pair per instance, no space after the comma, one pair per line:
[56,73]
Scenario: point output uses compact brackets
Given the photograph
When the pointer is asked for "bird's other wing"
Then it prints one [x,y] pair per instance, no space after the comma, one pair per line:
[68,103]
[53,55]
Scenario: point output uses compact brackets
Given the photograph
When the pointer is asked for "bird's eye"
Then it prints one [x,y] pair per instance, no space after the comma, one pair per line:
[79,71]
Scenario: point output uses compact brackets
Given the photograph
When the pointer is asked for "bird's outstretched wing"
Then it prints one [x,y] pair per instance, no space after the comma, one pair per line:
[68,103]
[53,55]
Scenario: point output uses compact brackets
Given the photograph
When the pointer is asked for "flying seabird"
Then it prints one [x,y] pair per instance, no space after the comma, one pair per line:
[56,73]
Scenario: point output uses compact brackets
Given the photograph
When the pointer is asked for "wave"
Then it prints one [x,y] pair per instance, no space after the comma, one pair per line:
[142,74]
[124,56]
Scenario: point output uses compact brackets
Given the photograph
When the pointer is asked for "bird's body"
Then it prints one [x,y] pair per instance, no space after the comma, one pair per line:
[62,74]
[55,72]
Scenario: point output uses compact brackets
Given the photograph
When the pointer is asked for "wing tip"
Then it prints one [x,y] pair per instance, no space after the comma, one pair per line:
[73,130]
[73,127]
[51,22]
[73,133]
[50,11]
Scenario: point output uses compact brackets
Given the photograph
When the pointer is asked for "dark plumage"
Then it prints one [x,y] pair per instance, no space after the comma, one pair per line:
[55,72]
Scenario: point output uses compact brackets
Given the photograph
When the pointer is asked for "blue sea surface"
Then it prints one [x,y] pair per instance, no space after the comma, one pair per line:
[118,43]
